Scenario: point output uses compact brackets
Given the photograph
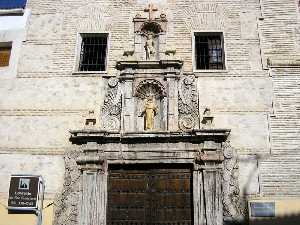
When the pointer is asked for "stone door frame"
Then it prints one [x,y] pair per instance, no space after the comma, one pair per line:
[203,151]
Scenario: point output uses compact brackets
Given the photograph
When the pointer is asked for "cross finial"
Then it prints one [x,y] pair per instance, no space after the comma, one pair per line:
[151,8]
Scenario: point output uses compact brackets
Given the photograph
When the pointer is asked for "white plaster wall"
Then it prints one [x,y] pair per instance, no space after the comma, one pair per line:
[13,29]
[50,167]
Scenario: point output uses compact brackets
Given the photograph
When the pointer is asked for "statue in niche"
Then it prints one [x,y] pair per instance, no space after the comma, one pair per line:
[149,112]
[150,46]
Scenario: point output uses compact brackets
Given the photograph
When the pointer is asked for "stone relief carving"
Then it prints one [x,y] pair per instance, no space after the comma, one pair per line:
[230,188]
[111,110]
[66,205]
[188,104]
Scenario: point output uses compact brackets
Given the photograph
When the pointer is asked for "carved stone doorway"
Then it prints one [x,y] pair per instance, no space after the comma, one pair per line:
[150,194]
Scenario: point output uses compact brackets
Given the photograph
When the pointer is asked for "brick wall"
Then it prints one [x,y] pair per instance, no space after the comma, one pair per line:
[47,99]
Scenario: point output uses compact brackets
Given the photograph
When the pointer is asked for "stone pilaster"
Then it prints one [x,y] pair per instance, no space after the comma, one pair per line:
[208,206]
[213,196]
[198,196]
[93,199]
[129,113]
[172,103]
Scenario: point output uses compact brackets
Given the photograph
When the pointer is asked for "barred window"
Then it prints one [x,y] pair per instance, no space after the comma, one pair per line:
[5,55]
[93,52]
[209,53]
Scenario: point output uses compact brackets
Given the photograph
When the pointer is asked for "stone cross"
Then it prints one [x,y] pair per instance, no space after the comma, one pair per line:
[151,8]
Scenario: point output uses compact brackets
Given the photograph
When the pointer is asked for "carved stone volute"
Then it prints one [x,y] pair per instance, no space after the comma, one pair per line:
[111,109]
[188,108]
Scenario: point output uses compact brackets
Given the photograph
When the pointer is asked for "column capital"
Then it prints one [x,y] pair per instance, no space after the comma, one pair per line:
[91,163]
[92,158]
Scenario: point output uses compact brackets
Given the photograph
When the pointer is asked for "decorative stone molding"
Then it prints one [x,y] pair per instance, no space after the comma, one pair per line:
[91,158]
[231,199]
[283,62]
[111,110]
[188,104]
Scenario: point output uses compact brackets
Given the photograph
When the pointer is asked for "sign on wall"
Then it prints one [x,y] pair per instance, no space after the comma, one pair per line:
[24,192]
[262,209]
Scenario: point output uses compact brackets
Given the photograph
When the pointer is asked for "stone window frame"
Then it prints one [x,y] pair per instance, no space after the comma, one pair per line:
[79,37]
[208,32]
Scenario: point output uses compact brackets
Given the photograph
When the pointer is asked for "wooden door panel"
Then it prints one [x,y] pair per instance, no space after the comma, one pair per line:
[149,196]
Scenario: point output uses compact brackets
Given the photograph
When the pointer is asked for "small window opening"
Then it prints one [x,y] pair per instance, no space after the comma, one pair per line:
[93,53]
[5,52]
[209,52]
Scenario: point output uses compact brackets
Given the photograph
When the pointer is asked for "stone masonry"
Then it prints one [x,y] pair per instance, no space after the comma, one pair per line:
[257,96]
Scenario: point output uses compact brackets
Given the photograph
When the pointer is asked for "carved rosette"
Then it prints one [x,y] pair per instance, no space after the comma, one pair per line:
[111,110]
[230,188]
[188,104]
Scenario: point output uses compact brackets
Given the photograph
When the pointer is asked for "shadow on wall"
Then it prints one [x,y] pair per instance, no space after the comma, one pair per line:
[284,220]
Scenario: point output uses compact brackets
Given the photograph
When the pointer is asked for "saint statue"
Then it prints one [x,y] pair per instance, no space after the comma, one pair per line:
[149,112]
[150,46]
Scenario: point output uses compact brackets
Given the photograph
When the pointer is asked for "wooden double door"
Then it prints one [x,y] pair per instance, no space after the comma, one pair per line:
[150,195]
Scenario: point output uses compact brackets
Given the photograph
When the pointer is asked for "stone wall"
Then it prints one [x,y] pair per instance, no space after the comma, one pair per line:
[46,98]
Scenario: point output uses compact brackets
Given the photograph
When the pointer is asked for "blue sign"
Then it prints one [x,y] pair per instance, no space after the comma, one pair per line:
[12,4]
[262,209]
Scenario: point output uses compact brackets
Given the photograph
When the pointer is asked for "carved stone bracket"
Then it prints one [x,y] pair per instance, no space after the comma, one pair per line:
[111,110]
[188,108]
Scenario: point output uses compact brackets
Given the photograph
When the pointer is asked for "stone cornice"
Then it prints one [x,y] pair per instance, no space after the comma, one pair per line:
[156,64]
[195,136]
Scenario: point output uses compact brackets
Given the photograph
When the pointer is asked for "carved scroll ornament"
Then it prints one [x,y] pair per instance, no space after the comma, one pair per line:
[188,104]
[111,110]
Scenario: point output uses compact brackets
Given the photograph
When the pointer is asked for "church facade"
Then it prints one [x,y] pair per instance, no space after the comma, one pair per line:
[170,112]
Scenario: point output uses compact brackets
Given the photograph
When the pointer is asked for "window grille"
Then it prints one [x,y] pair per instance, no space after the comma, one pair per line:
[209,51]
[93,53]
[4,56]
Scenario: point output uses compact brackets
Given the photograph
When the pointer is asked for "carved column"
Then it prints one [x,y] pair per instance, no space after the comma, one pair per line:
[94,186]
